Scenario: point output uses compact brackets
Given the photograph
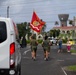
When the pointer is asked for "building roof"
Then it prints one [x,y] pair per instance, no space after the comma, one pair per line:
[65,27]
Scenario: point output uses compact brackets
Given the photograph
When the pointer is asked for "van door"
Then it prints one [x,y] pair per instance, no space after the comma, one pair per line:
[4,46]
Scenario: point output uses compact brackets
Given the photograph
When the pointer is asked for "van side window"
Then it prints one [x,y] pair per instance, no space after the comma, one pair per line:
[3,32]
[16,32]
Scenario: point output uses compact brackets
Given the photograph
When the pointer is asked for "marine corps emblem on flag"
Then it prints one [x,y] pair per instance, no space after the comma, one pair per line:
[36,23]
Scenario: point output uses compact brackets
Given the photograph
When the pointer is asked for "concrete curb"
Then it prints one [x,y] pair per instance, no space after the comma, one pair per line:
[73,53]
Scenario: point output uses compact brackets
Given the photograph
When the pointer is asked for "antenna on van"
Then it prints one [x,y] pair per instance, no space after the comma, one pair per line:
[8,12]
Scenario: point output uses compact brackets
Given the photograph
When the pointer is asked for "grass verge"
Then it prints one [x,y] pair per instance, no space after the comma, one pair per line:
[73,51]
[72,68]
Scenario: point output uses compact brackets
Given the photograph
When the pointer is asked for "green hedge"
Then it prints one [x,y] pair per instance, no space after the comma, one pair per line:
[39,41]
[64,40]
[28,41]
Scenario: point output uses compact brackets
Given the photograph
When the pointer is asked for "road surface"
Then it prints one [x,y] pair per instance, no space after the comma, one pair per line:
[54,66]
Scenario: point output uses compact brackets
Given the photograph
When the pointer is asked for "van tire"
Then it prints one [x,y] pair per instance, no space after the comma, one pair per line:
[19,70]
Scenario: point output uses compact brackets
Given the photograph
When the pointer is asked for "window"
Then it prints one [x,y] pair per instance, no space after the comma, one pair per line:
[16,31]
[3,32]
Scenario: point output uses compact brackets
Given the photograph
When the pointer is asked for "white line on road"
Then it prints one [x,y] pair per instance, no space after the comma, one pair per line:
[26,52]
[64,71]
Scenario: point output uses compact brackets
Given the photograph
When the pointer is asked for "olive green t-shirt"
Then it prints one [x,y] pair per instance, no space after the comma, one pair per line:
[46,44]
[33,44]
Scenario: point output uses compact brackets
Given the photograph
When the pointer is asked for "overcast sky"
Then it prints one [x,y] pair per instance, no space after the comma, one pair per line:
[47,10]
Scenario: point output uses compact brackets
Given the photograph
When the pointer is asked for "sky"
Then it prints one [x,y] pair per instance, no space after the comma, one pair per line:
[47,10]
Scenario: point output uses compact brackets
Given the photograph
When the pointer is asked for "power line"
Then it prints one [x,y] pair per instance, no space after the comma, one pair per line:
[44,11]
[23,3]
[23,13]
[47,11]
[31,2]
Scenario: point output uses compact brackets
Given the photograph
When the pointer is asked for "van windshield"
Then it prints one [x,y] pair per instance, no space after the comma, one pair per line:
[3,32]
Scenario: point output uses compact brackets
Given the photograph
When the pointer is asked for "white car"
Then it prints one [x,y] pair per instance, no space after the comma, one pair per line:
[53,40]
[10,56]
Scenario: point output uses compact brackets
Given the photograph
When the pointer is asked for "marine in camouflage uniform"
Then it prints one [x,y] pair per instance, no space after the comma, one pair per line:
[33,44]
[46,47]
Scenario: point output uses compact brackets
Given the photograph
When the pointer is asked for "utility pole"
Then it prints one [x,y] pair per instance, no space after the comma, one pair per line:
[8,12]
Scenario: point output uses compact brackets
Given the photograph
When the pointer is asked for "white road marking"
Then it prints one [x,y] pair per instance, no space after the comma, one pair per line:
[26,52]
[64,71]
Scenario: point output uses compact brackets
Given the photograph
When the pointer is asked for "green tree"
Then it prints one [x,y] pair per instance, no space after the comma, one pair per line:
[23,29]
[70,22]
[54,33]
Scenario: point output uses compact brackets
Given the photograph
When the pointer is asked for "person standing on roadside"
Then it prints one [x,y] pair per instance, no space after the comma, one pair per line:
[21,42]
[46,47]
[60,45]
[33,44]
[24,42]
[68,45]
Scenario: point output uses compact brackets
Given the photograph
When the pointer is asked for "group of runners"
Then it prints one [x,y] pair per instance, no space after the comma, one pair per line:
[46,47]
[45,44]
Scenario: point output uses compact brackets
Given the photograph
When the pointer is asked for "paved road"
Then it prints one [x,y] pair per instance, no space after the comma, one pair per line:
[40,67]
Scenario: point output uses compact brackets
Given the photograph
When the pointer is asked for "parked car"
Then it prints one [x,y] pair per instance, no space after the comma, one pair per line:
[53,40]
[10,56]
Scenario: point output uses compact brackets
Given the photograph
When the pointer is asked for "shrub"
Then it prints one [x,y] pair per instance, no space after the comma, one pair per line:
[40,41]
[28,41]
[64,40]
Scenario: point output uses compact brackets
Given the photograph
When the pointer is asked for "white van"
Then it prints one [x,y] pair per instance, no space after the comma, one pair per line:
[10,56]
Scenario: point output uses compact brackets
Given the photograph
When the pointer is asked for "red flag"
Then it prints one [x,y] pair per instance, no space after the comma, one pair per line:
[36,23]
